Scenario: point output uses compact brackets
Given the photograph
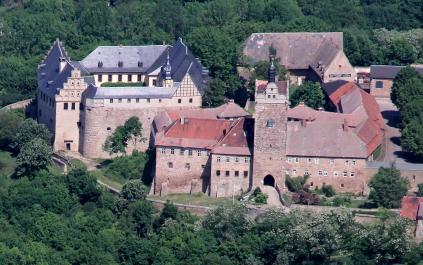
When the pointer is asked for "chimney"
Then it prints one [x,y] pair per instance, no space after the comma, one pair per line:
[345,125]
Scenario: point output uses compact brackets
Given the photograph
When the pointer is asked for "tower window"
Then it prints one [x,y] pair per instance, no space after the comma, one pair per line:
[100,78]
[179,100]
[227,173]
[65,106]
[217,172]
[73,105]
[270,123]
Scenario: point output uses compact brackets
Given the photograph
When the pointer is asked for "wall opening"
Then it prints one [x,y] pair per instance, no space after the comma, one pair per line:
[269,181]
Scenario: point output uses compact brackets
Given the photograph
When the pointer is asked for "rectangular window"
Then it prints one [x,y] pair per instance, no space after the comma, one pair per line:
[228,159]
[297,160]
[345,174]
[160,100]
[325,173]
[306,172]
[163,151]
[335,174]
[289,160]
[199,153]
[379,84]
[217,172]
[236,173]
[119,78]
[172,151]
[100,78]
[65,106]
[236,159]
[181,152]
[179,100]
[154,82]
[111,100]
[170,165]
[346,162]
[352,174]
[120,100]
[245,174]
[148,100]
[331,161]
[128,100]
[73,106]
[227,173]
[218,159]
[137,100]
[316,161]
[109,78]
[247,160]
[188,166]
[190,152]
[309,160]
[129,78]
[319,173]
[353,162]
[139,78]
[190,100]
[294,172]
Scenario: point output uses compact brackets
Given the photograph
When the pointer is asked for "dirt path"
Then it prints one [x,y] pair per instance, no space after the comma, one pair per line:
[91,164]
[273,196]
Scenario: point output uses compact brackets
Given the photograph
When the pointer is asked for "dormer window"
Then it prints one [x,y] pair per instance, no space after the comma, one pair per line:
[139,64]
[100,64]
[270,123]
[120,64]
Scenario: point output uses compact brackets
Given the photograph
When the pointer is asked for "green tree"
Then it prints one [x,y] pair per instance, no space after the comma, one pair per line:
[142,214]
[215,94]
[134,190]
[30,130]
[388,187]
[10,122]
[328,190]
[33,156]
[420,190]
[81,183]
[118,141]
[310,93]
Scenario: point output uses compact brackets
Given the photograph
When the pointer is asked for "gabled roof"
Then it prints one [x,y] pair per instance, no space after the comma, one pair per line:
[281,85]
[128,59]
[133,92]
[295,50]
[238,141]
[389,71]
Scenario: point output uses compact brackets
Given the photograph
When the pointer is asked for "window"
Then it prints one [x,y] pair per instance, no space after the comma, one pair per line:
[228,159]
[268,96]
[353,162]
[325,173]
[345,174]
[179,100]
[352,174]
[306,172]
[274,96]
[245,174]
[346,162]
[181,152]
[311,184]
[120,100]
[190,100]
[65,106]
[270,123]
[319,173]
[236,159]
[160,100]
[111,100]
[172,151]
[190,152]
[236,173]
[289,160]
[73,106]
[309,160]
[331,161]
[128,100]
[109,78]
[154,82]
[148,100]
[316,161]
[227,173]
[379,84]
[218,159]
[335,174]
[163,151]
[129,78]
[188,166]
[139,78]
[119,78]
[137,100]
[342,185]
[100,78]
[297,160]
[217,172]
[108,128]
[294,172]
[170,165]
[199,153]
[247,160]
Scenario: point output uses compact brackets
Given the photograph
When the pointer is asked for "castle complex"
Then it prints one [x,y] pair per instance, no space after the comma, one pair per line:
[219,151]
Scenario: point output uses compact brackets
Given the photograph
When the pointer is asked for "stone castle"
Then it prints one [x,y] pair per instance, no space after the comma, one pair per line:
[220,151]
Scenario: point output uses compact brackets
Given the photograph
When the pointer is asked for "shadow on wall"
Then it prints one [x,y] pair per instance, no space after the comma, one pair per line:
[393,117]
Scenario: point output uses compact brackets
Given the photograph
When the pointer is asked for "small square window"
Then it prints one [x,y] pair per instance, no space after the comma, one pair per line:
[172,151]
[335,173]
[316,161]
[111,100]
[199,153]
[346,162]
[245,174]
[227,173]
[65,106]
[217,172]
[294,172]
[170,165]
[236,173]
[353,162]
[342,185]
[309,160]
[306,172]
[190,100]
[319,173]
[345,174]
[352,174]
[325,173]
[163,151]
[379,84]
[289,160]
[228,159]
[179,100]
[108,128]
[190,152]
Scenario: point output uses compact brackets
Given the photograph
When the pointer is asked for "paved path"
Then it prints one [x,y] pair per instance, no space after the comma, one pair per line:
[273,196]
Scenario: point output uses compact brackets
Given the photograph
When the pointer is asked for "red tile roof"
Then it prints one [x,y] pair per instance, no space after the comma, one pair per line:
[410,207]
[281,85]
[236,142]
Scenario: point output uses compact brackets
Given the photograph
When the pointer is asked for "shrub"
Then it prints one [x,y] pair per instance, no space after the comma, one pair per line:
[261,198]
[328,191]
[127,167]
[307,198]
[296,184]
[341,201]
[420,191]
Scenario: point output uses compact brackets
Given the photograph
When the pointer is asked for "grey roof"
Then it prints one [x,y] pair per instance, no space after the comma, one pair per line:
[331,87]
[182,62]
[134,59]
[296,50]
[50,80]
[131,92]
[384,71]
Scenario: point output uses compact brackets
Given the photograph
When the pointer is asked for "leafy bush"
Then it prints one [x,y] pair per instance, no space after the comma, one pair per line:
[420,191]
[295,184]
[127,167]
[305,197]
[328,190]
[261,198]
[341,201]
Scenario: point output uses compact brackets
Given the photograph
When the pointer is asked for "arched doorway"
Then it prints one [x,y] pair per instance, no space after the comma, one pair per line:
[269,181]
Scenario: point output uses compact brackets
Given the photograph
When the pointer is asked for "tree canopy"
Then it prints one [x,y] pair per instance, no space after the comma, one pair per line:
[310,93]
[118,140]
[388,187]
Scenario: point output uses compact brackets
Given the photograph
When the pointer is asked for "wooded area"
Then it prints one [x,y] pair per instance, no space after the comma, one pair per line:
[214,30]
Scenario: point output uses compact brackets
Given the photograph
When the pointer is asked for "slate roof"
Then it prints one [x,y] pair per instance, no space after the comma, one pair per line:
[132,92]
[411,207]
[389,71]
[354,132]
[135,59]
[295,50]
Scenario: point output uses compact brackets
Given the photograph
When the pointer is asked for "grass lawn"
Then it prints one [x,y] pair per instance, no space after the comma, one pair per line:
[195,199]
[7,163]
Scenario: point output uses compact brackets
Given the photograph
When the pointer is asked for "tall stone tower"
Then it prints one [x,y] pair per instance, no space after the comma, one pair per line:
[270,131]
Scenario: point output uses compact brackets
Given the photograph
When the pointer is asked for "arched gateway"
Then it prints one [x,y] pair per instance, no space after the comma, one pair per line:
[269,180]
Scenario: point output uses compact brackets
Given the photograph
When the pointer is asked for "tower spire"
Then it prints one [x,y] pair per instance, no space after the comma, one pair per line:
[167,67]
[272,71]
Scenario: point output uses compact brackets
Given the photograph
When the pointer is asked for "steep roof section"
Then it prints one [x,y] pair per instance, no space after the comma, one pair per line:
[297,50]
[238,141]
[54,69]
[129,59]
[182,62]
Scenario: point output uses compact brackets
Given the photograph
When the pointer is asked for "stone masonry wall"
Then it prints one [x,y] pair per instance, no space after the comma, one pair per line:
[181,171]
[381,92]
